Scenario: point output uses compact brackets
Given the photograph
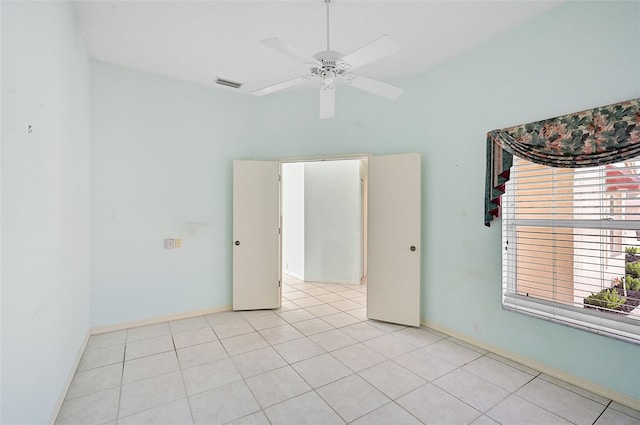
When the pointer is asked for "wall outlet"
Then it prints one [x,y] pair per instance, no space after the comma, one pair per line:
[169,243]
[178,243]
[476,327]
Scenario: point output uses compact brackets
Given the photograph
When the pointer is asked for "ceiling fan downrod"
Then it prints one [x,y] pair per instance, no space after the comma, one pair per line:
[327,3]
[331,66]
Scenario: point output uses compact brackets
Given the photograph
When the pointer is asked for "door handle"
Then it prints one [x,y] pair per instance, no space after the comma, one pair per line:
[237,243]
[412,248]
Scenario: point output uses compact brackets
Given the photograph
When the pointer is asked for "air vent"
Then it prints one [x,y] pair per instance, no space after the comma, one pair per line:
[228,83]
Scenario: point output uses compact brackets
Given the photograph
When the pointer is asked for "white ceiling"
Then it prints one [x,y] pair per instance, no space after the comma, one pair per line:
[200,40]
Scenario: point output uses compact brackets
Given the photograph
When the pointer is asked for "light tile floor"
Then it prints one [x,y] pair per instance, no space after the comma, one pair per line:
[316,360]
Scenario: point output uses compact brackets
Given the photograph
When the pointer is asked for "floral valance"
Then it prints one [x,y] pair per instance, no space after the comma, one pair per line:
[589,138]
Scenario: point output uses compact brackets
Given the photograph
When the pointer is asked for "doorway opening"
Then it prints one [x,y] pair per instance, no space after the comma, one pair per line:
[392,198]
[324,237]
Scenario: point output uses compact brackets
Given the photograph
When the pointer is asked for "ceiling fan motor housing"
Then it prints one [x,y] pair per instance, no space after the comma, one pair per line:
[330,67]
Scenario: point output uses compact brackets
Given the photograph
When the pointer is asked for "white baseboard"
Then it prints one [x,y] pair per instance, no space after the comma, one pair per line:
[339,282]
[292,274]
[135,323]
[319,280]
[541,367]
[67,383]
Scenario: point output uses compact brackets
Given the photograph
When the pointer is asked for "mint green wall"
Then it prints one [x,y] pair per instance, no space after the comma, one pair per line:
[45,206]
[161,168]
[554,65]
[162,150]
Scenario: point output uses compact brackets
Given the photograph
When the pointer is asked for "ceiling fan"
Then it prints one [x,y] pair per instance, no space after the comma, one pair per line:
[331,66]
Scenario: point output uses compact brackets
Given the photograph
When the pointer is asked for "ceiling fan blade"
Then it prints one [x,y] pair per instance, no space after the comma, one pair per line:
[281,86]
[373,86]
[327,102]
[373,51]
[287,49]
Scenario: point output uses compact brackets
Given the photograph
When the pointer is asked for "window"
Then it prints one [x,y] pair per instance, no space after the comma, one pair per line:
[571,246]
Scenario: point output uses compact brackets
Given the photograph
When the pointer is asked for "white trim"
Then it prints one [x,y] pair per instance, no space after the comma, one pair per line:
[339,282]
[605,223]
[67,383]
[541,367]
[599,323]
[292,274]
[135,323]
[319,158]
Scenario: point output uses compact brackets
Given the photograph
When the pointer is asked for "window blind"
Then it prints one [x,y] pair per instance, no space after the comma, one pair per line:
[571,246]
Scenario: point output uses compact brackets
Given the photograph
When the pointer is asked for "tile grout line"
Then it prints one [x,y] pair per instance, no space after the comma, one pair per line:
[314,390]
[124,356]
[461,400]
[184,385]
[290,365]
[574,392]
[562,388]
[602,413]
[163,374]
[506,389]
[401,407]
[243,379]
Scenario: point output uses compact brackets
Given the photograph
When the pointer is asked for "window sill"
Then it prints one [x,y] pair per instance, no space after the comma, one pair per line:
[625,327]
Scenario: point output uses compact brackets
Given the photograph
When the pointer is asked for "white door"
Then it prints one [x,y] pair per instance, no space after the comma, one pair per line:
[256,239]
[393,284]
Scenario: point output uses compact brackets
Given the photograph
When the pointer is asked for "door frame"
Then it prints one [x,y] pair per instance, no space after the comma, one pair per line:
[365,166]
[325,158]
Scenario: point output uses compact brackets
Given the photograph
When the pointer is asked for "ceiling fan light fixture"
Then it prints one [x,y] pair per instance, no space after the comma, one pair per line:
[342,65]
[328,79]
